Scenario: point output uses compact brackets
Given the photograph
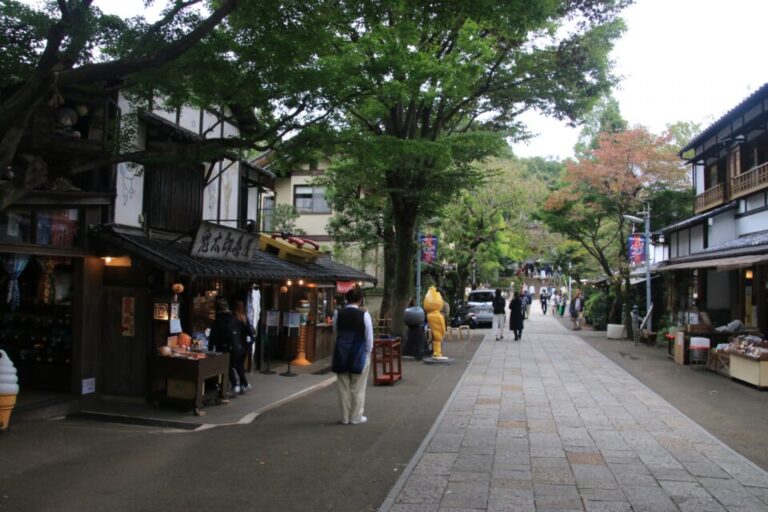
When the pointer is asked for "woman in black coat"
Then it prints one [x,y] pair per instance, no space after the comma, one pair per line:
[516,308]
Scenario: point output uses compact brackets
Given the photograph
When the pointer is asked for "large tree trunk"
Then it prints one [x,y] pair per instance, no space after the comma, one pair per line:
[390,267]
[404,219]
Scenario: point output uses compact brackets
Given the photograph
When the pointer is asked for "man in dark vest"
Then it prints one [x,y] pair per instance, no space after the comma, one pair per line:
[353,330]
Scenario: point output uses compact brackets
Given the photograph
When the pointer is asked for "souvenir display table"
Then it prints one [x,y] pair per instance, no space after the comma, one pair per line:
[748,357]
[180,380]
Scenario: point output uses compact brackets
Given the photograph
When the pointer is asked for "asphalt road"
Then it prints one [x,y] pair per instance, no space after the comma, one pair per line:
[296,457]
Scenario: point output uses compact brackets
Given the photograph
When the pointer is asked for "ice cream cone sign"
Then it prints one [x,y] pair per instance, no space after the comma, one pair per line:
[9,389]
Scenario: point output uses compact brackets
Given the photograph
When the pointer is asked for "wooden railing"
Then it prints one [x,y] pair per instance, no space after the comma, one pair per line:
[709,199]
[750,181]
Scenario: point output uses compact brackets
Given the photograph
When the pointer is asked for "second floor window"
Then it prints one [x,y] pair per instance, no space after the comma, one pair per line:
[308,199]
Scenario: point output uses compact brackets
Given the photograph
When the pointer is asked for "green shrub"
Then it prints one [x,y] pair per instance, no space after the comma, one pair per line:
[596,308]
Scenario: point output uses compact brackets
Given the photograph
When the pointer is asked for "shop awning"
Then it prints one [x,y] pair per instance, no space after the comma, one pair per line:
[719,263]
[171,252]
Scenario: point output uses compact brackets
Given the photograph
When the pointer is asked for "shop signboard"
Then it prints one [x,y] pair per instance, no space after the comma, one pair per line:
[636,248]
[222,243]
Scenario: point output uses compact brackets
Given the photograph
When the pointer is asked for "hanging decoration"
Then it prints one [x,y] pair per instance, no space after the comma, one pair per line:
[14,264]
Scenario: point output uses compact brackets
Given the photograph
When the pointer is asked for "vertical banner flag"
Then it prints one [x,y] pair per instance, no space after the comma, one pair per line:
[428,248]
[636,248]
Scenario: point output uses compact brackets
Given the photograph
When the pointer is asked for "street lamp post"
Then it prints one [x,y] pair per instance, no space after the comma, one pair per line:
[646,220]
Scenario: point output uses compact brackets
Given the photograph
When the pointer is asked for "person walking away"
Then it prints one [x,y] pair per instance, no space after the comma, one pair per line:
[227,336]
[353,330]
[499,317]
[576,309]
[516,308]
[248,340]
[544,298]
[527,299]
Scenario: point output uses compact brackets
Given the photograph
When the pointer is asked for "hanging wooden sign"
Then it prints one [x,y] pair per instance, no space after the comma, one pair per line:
[222,243]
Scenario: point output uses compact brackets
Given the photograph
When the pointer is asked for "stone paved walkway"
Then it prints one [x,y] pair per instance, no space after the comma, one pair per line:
[550,424]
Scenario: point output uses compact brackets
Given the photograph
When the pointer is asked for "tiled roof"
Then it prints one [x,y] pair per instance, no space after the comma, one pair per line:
[735,111]
[756,243]
[171,253]
[690,221]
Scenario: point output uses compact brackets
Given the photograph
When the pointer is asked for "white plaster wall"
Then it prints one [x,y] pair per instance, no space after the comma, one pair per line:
[226,186]
[230,130]
[208,121]
[129,179]
[189,119]
[698,178]
[697,238]
[160,109]
[253,206]
[682,240]
[755,201]
[718,290]
[723,228]
[752,223]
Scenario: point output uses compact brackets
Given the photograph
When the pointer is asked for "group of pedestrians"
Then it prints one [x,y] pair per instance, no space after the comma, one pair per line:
[520,308]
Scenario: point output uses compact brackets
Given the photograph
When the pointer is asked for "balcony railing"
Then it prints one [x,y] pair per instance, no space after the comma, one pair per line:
[750,181]
[709,199]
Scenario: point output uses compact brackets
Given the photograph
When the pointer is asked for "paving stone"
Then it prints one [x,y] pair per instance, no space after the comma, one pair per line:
[502,482]
[760,493]
[510,500]
[699,505]
[648,499]
[632,474]
[409,507]
[594,477]
[705,469]
[732,494]
[436,463]
[546,426]
[445,443]
[684,489]
[607,506]
[459,476]
[593,458]
[421,493]
[474,463]
[553,476]
[516,424]
[614,495]
[470,495]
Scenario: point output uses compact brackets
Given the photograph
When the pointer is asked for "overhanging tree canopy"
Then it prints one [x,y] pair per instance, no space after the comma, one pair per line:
[433,86]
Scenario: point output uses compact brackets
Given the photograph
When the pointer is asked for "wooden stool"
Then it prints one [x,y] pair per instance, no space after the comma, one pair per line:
[451,332]
[387,361]
[464,329]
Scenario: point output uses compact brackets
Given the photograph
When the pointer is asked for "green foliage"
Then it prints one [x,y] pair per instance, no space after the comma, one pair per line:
[597,306]
[284,218]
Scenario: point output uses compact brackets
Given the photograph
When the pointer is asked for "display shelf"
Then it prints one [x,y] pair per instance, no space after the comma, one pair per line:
[749,370]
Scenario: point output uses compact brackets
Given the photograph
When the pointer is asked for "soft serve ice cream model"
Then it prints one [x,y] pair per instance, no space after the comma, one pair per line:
[9,389]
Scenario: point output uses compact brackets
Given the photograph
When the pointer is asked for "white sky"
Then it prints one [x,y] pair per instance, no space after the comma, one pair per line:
[682,60]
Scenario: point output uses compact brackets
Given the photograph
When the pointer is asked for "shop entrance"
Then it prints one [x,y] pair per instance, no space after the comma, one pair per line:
[125,341]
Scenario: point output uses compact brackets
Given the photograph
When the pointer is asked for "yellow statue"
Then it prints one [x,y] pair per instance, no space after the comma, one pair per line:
[433,303]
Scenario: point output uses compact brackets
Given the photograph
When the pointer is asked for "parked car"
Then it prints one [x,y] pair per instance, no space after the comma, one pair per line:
[479,307]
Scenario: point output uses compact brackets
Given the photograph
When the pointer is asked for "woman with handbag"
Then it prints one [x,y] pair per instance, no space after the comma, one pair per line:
[353,329]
